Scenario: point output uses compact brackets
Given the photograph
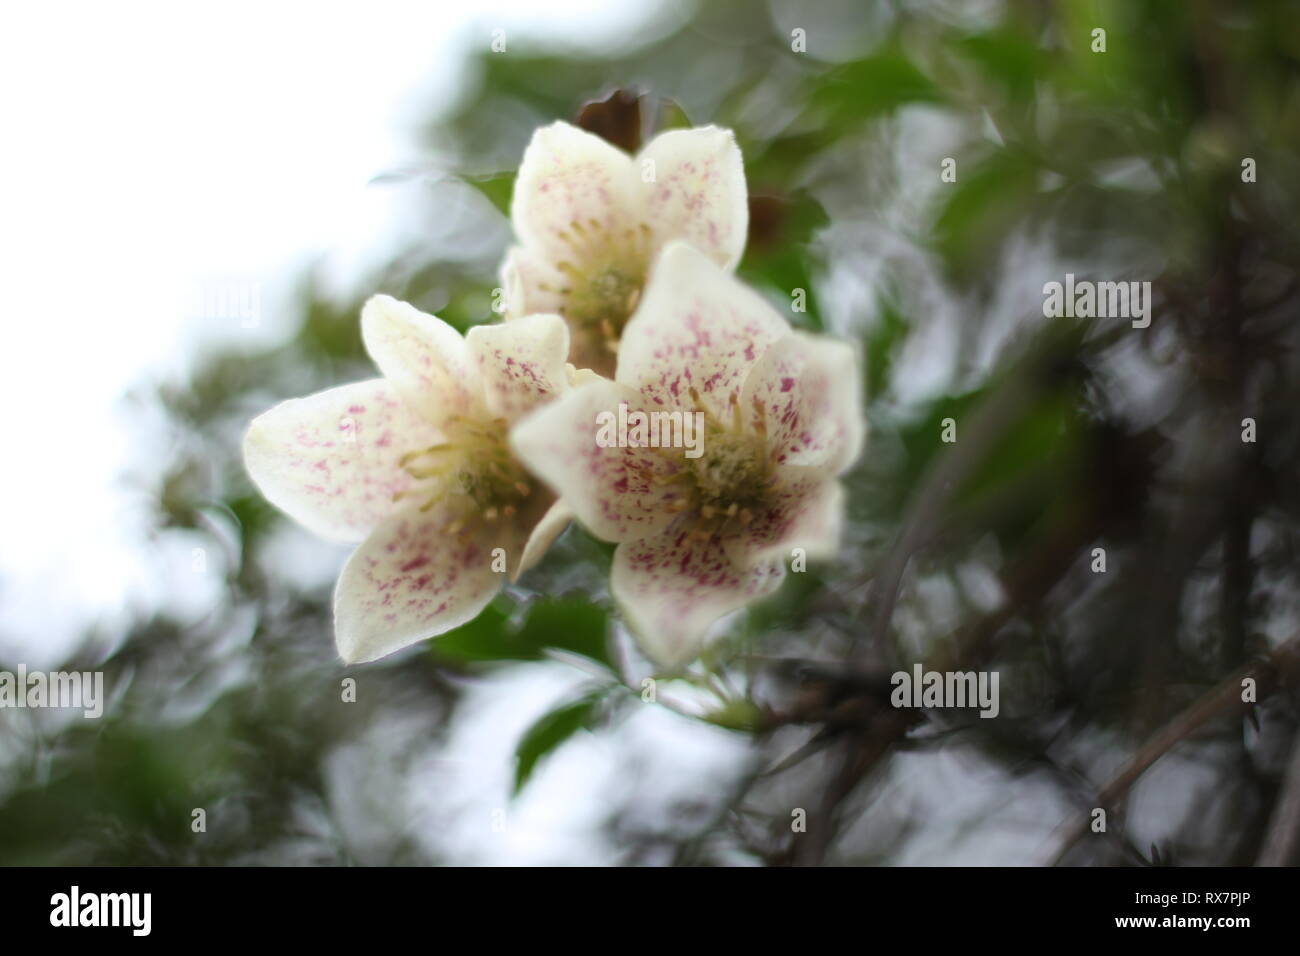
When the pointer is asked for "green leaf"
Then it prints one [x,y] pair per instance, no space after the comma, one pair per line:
[498,188]
[778,252]
[570,624]
[882,345]
[1007,57]
[486,638]
[548,732]
[671,116]
[983,208]
[922,439]
[873,86]
[775,163]
[742,715]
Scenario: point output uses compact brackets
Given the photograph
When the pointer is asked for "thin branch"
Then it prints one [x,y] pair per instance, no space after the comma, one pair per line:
[1283,837]
[1220,701]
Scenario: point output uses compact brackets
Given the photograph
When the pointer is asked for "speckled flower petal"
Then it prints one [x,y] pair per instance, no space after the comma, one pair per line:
[417,576]
[698,193]
[520,363]
[696,327]
[330,460]
[804,511]
[531,284]
[571,184]
[806,392]
[673,587]
[424,357]
[618,493]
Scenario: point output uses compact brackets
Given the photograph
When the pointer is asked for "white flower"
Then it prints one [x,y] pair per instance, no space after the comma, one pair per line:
[701,536]
[416,466]
[590,220]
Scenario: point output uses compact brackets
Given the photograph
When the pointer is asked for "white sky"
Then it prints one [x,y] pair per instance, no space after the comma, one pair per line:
[150,148]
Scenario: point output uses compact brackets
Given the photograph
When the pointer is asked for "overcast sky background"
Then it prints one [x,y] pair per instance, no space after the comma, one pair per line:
[153,151]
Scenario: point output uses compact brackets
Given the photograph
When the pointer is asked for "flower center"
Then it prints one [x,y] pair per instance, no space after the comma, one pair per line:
[607,299]
[474,463]
[603,288]
[732,474]
[731,480]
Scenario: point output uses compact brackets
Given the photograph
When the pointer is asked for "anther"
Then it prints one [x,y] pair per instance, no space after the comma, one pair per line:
[421,452]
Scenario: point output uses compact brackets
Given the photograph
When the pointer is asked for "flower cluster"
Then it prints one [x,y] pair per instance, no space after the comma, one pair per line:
[468,457]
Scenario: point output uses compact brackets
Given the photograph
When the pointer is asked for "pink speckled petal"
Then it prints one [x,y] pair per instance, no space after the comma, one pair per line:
[414,578]
[696,327]
[551,526]
[530,284]
[520,363]
[572,185]
[698,193]
[672,588]
[330,461]
[804,511]
[424,357]
[618,493]
[807,391]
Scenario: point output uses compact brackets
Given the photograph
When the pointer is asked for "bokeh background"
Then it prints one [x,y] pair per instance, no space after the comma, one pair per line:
[196,205]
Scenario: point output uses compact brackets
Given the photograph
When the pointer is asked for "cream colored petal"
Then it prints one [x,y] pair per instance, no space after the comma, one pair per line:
[415,577]
[583,376]
[531,284]
[424,357]
[331,460]
[806,393]
[697,328]
[673,587]
[617,492]
[521,364]
[572,186]
[804,511]
[698,192]
[551,526]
